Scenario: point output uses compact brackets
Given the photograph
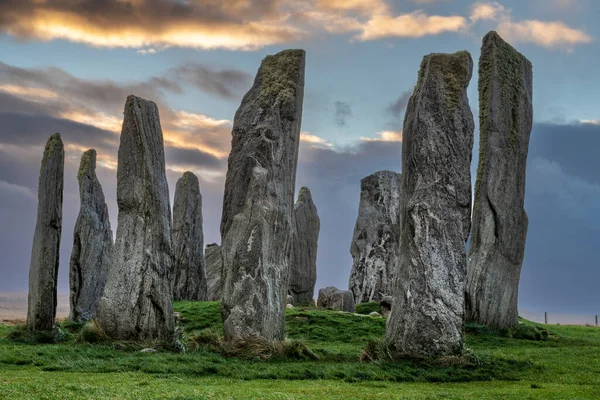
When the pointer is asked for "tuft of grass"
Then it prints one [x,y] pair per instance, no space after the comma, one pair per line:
[367,308]
[91,332]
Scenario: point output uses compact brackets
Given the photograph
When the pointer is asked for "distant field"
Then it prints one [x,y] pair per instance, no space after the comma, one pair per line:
[13,306]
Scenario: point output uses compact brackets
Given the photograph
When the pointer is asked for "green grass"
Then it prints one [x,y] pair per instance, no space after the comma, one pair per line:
[566,365]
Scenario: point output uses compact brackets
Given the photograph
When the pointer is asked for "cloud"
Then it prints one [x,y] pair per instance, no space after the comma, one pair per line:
[314,140]
[548,34]
[384,136]
[493,11]
[230,24]
[545,34]
[343,111]
[31,96]
[413,25]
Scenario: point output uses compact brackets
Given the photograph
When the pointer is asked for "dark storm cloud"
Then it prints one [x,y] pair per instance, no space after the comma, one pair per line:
[26,130]
[342,113]
[398,107]
[227,83]
[574,146]
[192,157]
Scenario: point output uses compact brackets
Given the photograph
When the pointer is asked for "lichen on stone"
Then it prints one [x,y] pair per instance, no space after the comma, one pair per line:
[88,161]
[276,76]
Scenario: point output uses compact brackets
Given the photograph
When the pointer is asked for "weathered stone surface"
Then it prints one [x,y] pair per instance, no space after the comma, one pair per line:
[427,314]
[499,219]
[214,270]
[385,305]
[376,241]
[259,199]
[188,241]
[43,267]
[136,303]
[333,298]
[303,256]
[92,243]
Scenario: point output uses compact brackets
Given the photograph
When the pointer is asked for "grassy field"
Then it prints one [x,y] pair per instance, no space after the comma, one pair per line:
[566,366]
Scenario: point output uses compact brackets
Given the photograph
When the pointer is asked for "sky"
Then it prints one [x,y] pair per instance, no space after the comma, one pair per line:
[68,65]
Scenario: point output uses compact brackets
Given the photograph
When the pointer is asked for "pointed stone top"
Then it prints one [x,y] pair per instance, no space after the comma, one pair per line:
[87,164]
[188,175]
[304,196]
[52,142]
[280,74]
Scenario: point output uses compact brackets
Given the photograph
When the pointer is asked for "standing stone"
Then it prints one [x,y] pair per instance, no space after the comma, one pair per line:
[214,269]
[303,259]
[188,240]
[259,199]
[43,268]
[499,219]
[376,241]
[426,319]
[333,298]
[136,303]
[92,243]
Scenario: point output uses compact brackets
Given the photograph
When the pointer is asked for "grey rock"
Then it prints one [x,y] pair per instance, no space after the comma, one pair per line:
[375,244]
[374,314]
[303,258]
[499,220]
[188,241]
[426,319]
[92,244]
[43,267]
[385,305]
[137,299]
[259,198]
[214,269]
[333,298]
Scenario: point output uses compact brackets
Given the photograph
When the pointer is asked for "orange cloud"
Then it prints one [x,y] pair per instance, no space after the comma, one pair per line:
[384,136]
[545,34]
[416,24]
[31,93]
[226,24]
[314,140]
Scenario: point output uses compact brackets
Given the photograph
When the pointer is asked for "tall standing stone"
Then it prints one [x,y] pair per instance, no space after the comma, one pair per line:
[499,219]
[43,268]
[259,199]
[428,308]
[375,247]
[303,259]
[136,303]
[214,269]
[188,240]
[92,243]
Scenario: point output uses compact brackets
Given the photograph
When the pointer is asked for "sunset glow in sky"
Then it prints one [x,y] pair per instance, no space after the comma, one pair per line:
[68,65]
